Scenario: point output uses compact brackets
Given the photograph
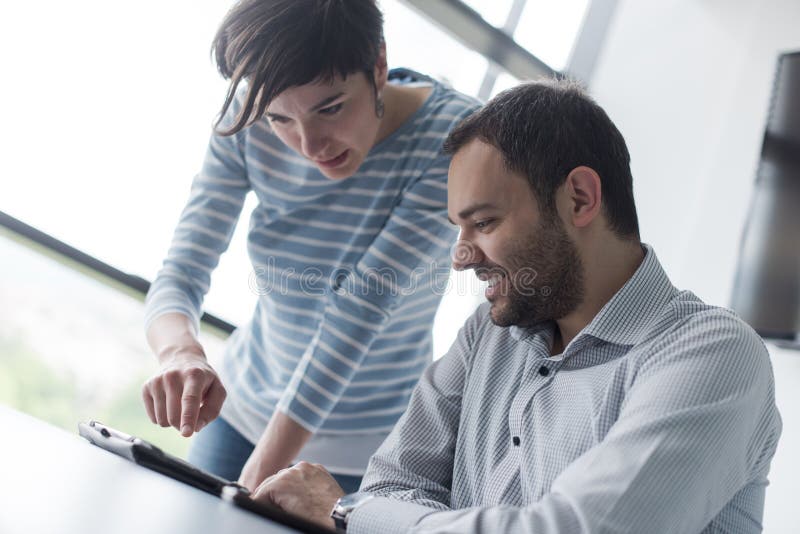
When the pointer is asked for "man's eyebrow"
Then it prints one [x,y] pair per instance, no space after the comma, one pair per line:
[466,212]
[471,210]
[321,104]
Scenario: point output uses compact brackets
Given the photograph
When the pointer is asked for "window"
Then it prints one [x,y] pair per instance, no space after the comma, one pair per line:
[495,12]
[72,347]
[106,118]
[410,39]
[549,29]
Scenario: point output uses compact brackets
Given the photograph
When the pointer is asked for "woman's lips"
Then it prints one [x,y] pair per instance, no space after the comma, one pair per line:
[334,162]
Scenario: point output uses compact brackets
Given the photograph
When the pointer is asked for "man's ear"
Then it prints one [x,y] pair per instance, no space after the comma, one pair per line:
[583,189]
[381,70]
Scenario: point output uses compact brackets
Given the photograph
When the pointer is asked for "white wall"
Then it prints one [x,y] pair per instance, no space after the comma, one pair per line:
[781,514]
[688,83]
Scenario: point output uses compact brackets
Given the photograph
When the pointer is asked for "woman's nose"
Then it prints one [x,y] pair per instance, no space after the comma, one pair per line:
[313,142]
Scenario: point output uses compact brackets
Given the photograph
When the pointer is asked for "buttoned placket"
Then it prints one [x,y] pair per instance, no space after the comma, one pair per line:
[504,474]
[537,374]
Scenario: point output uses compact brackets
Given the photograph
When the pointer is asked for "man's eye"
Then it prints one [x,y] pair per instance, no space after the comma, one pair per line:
[331,110]
[482,225]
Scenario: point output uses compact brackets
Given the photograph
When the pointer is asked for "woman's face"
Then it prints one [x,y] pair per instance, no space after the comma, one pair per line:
[332,124]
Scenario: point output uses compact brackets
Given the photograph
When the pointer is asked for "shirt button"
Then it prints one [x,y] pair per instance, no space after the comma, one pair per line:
[515,440]
[544,371]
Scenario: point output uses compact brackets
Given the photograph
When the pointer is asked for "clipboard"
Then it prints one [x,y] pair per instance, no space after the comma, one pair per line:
[148,455]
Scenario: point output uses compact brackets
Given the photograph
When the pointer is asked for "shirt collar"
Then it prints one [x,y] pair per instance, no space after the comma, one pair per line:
[624,319]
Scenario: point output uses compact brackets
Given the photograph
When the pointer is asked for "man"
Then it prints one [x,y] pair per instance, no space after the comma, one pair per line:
[588,394]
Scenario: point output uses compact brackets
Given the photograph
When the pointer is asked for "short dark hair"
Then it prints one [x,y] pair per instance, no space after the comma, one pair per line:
[544,130]
[278,44]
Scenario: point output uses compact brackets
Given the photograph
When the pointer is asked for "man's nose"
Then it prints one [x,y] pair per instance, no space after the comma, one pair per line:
[465,255]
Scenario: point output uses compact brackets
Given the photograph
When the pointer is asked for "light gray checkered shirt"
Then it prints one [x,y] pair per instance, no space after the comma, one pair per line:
[660,417]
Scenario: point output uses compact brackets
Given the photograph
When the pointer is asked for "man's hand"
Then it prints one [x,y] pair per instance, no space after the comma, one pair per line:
[306,489]
[186,393]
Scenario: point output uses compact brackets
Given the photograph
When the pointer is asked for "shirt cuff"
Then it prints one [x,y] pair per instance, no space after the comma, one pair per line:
[387,516]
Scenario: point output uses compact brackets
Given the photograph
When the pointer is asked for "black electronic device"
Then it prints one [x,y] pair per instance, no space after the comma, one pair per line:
[148,455]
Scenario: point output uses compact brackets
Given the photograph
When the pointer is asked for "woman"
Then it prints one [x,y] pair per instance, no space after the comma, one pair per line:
[349,243]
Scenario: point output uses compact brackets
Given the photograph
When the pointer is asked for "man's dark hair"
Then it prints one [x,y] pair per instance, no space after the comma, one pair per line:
[278,44]
[546,129]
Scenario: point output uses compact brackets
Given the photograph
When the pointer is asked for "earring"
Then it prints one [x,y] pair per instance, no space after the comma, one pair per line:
[379,107]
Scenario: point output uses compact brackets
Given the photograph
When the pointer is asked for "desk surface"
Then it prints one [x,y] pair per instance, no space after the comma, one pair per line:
[51,481]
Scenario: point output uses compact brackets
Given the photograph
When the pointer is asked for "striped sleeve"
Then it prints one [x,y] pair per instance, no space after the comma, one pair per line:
[203,232]
[406,254]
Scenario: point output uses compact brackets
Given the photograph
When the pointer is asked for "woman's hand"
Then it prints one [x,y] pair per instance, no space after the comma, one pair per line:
[186,393]
[277,448]
[306,490]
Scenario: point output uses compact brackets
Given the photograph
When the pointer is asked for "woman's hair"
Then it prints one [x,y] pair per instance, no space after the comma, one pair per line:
[277,44]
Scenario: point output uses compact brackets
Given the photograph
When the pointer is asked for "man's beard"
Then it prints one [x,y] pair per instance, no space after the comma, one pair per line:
[545,278]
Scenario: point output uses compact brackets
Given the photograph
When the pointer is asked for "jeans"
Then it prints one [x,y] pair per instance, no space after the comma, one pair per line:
[221,450]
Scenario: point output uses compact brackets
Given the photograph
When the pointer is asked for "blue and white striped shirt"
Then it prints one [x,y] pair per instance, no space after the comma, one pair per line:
[659,417]
[349,275]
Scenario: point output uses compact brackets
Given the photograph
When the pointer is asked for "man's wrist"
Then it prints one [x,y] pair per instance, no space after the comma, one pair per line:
[345,506]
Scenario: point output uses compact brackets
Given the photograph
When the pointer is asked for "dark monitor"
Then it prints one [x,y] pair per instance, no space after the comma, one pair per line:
[766,292]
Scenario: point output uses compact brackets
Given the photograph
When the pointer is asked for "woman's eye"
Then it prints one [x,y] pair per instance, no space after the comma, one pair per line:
[331,110]
[277,118]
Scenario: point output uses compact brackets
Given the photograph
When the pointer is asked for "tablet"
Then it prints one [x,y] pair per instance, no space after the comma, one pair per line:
[148,455]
